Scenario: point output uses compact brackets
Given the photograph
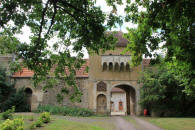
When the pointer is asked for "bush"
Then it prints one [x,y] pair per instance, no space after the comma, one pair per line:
[16,124]
[67,111]
[38,123]
[45,117]
[32,127]
[8,114]
[9,96]
[17,99]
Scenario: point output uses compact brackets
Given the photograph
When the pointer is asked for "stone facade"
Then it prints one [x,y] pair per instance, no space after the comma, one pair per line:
[40,97]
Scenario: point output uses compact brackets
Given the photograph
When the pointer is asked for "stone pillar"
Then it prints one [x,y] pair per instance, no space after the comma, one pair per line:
[108,97]
[95,96]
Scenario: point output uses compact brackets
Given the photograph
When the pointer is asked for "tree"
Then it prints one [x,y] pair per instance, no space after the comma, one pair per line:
[9,96]
[168,23]
[76,23]
[161,93]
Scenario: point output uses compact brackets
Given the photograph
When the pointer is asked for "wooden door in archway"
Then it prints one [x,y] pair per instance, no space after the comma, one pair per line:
[101,104]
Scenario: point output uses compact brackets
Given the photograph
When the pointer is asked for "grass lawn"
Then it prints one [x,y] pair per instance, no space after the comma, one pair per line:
[172,123]
[61,123]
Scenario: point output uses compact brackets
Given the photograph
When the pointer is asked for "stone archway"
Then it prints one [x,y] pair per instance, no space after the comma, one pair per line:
[130,98]
[28,92]
[101,104]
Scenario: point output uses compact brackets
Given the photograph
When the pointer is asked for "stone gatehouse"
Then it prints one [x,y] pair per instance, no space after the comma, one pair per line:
[106,71]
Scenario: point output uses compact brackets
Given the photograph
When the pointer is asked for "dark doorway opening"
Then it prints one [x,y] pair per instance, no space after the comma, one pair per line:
[28,93]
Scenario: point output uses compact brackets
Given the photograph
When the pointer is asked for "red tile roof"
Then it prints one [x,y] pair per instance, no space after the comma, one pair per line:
[117,90]
[25,72]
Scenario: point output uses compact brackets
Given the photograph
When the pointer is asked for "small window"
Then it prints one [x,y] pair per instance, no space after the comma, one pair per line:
[104,66]
[110,66]
[116,67]
[127,67]
[122,67]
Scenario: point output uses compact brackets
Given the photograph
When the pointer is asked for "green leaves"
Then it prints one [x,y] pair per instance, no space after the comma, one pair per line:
[163,22]
[164,90]
[75,24]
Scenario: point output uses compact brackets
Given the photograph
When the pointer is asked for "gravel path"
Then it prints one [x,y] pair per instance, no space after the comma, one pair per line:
[122,124]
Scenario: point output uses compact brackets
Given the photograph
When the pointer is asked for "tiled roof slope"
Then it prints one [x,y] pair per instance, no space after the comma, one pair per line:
[25,72]
[117,90]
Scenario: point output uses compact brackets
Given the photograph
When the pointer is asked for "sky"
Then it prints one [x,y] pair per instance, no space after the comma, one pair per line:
[24,36]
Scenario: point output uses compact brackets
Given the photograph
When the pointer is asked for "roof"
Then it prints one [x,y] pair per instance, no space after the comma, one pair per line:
[81,73]
[117,90]
[122,42]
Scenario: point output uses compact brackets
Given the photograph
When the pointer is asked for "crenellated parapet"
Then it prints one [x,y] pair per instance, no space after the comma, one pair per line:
[116,62]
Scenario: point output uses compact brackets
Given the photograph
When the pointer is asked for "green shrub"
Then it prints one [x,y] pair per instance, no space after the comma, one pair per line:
[8,114]
[45,117]
[67,111]
[9,96]
[17,99]
[162,94]
[16,124]
[39,123]
[32,127]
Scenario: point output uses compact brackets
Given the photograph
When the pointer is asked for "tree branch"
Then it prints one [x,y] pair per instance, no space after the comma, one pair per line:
[70,5]
[42,21]
[66,11]
[53,17]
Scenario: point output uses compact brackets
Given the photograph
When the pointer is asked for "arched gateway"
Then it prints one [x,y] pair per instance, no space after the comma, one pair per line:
[129,103]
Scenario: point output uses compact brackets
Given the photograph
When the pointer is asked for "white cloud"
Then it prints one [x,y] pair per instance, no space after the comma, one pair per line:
[24,36]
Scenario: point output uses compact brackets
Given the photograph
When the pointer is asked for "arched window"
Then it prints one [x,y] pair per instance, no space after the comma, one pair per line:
[127,67]
[116,67]
[101,86]
[122,67]
[104,66]
[110,66]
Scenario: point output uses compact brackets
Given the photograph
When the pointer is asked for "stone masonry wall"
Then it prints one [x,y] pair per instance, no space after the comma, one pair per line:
[49,96]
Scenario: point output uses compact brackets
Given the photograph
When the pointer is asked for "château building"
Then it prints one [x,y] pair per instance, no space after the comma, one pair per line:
[110,85]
